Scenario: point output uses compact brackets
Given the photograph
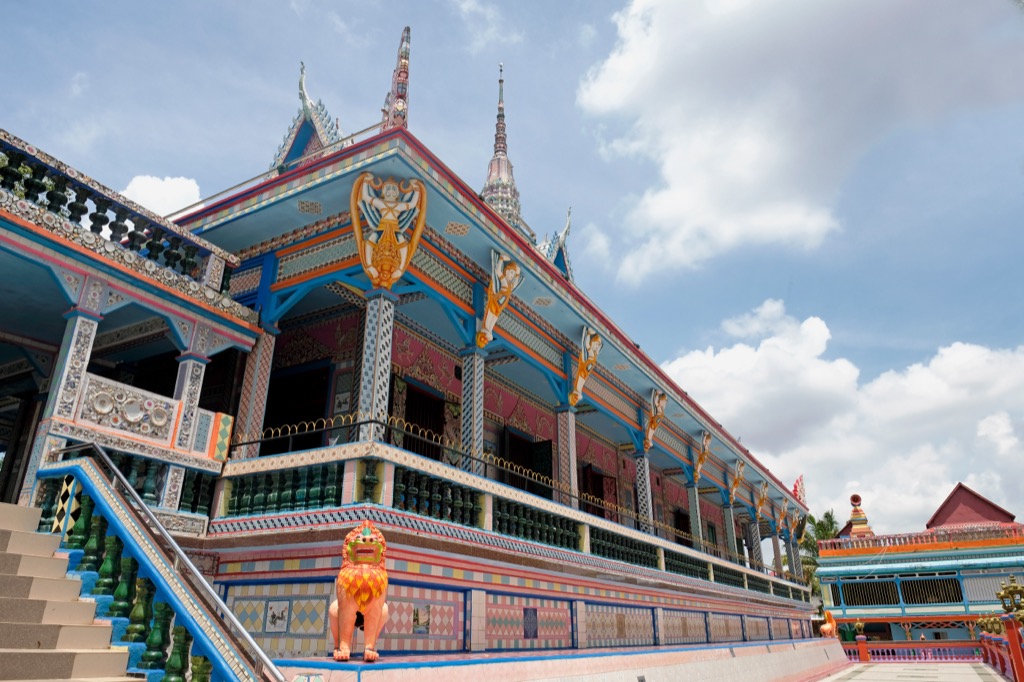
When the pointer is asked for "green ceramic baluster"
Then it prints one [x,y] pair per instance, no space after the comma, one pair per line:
[315,491]
[273,498]
[92,557]
[156,644]
[49,504]
[142,612]
[149,483]
[259,499]
[124,595]
[201,669]
[188,491]
[177,662]
[286,497]
[79,534]
[110,569]
[299,499]
[330,485]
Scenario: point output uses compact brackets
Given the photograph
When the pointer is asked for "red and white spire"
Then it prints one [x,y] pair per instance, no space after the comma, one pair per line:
[396,104]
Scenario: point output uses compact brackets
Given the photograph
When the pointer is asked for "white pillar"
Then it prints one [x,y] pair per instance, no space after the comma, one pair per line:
[567,474]
[375,378]
[643,492]
[473,408]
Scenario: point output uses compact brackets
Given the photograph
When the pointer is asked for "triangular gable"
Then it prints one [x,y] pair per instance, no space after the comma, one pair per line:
[556,250]
[963,506]
[311,130]
[844,532]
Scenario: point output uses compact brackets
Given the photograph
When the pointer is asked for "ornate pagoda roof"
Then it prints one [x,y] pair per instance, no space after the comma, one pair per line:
[312,128]
[556,250]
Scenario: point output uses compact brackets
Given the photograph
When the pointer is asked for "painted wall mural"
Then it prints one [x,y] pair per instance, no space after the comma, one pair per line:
[388,217]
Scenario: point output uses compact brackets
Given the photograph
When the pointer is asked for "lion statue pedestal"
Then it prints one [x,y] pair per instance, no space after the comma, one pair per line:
[362,587]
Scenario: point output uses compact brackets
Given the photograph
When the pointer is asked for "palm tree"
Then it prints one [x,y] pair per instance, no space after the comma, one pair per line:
[824,528]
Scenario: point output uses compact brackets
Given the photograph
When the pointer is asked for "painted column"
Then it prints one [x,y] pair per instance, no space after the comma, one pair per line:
[729,519]
[696,527]
[253,404]
[68,379]
[473,363]
[187,389]
[793,550]
[375,380]
[567,466]
[777,552]
[643,492]
[754,543]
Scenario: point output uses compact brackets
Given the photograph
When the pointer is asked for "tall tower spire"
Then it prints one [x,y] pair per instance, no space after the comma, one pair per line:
[396,104]
[500,192]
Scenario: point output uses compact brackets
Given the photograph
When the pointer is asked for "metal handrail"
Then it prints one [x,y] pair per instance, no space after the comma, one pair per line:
[263,664]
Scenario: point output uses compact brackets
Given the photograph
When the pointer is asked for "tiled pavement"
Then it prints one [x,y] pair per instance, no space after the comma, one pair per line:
[911,672]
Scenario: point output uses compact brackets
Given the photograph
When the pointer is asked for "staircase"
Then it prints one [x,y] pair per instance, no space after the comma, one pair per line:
[46,632]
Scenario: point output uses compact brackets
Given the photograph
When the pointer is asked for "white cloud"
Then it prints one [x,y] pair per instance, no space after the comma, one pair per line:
[486,25]
[755,112]
[586,35]
[79,83]
[162,196]
[347,32]
[902,440]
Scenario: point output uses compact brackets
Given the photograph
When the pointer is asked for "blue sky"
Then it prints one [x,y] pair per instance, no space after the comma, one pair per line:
[807,211]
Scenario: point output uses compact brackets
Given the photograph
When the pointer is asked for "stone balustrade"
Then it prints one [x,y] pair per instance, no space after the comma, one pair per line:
[51,195]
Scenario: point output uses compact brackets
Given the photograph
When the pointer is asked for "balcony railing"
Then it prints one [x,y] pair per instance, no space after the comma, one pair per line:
[937,651]
[936,539]
[431,491]
[53,196]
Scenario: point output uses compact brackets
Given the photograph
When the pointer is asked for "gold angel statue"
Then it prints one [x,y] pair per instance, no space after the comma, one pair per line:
[388,217]
[505,277]
[658,402]
[702,455]
[762,498]
[589,348]
[737,479]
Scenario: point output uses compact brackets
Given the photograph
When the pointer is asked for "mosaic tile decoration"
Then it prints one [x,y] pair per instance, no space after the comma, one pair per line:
[609,626]
[246,281]
[424,619]
[290,619]
[683,627]
[780,628]
[757,628]
[528,623]
[725,627]
[223,425]
[204,424]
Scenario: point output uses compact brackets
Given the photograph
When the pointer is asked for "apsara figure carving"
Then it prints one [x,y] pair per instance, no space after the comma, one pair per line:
[362,588]
[387,220]
[590,346]
[505,277]
[658,401]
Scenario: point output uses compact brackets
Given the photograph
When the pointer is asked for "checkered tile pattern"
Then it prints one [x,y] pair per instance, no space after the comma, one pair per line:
[308,617]
[250,614]
[506,627]
[619,626]
[446,612]
[683,627]
[223,424]
[725,627]
[757,628]
[255,383]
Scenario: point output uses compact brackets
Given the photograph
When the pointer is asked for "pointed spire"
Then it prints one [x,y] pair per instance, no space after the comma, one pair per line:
[396,104]
[500,190]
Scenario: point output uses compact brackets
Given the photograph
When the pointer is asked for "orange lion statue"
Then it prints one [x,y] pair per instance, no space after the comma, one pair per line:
[362,586]
[828,628]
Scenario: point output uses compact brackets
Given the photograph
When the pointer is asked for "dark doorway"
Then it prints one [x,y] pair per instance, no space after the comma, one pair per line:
[296,396]
[592,481]
[682,524]
[528,455]
[425,410]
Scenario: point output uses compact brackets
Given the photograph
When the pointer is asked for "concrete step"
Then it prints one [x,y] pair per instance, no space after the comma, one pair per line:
[32,587]
[28,542]
[14,517]
[36,611]
[38,566]
[53,636]
[42,664]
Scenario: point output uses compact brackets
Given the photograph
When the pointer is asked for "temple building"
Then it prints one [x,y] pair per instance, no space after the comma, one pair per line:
[358,333]
[933,584]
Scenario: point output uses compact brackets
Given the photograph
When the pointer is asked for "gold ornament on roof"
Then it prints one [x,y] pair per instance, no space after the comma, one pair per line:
[737,479]
[658,401]
[388,217]
[702,455]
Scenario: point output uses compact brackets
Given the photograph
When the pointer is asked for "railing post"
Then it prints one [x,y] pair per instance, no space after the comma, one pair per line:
[862,649]
[1013,640]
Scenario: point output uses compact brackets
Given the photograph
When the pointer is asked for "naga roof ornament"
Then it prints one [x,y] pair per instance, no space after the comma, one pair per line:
[312,128]
[396,104]
[555,249]
[500,192]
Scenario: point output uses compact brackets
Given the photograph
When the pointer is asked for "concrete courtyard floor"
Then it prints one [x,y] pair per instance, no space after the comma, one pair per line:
[916,672]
